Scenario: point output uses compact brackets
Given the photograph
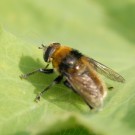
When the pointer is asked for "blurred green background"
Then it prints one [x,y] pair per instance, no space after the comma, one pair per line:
[102,29]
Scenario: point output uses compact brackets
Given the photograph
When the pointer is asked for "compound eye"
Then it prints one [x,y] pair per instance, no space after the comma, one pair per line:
[48,53]
[50,50]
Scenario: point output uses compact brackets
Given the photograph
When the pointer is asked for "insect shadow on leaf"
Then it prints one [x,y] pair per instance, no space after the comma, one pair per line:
[57,94]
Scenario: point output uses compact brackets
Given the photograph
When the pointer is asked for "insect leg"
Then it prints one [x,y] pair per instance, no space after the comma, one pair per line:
[66,83]
[89,105]
[55,81]
[41,70]
[110,88]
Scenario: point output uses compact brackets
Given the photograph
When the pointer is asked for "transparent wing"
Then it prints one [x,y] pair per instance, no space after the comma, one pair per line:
[106,71]
[87,88]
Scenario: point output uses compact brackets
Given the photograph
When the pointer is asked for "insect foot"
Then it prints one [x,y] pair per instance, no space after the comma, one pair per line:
[37,99]
[23,76]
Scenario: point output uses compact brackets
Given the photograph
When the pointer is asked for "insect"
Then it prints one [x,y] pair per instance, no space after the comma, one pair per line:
[78,72]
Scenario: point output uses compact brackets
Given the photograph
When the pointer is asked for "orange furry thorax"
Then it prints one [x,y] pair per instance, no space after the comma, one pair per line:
[59,55]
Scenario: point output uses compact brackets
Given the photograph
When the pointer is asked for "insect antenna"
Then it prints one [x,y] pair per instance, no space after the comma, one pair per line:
[42,47]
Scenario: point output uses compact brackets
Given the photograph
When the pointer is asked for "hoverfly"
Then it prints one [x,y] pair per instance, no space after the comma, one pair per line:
[78,73]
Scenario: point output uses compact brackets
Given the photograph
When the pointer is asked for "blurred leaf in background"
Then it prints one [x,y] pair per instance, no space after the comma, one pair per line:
[102,29]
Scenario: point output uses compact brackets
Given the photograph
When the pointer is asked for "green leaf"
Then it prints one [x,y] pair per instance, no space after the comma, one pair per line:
[98,29]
